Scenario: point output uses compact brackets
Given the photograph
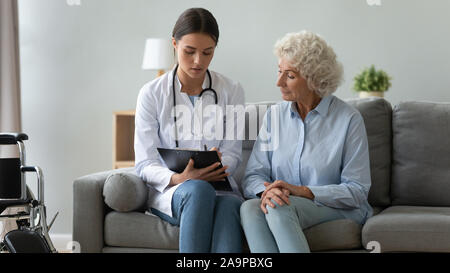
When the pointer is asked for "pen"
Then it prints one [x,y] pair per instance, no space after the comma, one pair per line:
[206,148]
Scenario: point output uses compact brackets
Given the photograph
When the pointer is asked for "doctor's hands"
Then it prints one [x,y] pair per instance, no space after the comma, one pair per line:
[208,173]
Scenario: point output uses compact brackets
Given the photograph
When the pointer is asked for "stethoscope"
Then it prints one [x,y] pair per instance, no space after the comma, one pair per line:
[175,101]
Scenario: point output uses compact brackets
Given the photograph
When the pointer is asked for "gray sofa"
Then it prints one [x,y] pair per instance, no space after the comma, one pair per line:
[409,150]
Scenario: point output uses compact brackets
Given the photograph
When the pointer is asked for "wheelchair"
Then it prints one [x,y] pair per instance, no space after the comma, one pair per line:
[32,233]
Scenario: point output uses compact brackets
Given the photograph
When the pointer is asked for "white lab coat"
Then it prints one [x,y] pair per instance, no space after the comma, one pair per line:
[154,128]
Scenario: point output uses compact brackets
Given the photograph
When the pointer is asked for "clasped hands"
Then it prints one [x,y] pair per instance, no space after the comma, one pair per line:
[279,192]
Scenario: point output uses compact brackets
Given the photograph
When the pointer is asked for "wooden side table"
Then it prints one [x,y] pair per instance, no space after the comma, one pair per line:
[123,139]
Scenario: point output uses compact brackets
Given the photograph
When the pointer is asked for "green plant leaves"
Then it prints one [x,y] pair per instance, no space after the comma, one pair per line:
[371,79]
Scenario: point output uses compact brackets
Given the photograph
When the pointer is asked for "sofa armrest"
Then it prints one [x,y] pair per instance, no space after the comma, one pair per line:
[89,210]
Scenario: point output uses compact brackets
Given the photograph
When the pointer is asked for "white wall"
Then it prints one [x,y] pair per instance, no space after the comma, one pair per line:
[81,63]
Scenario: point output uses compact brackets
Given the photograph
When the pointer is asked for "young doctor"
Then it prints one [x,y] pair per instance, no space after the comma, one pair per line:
[209,221]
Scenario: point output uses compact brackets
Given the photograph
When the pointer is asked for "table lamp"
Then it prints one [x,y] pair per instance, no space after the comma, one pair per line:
[158,55]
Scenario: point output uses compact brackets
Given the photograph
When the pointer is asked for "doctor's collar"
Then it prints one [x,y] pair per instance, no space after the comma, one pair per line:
[178,84]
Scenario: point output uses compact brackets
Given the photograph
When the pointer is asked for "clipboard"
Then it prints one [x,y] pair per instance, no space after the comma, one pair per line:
[177,160]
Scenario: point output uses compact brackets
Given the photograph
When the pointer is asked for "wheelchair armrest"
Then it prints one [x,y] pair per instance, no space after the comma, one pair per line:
[89,210]
[40,180]
[12,138]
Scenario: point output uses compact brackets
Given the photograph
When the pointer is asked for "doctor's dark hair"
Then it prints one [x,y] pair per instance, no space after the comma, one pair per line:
[196,20]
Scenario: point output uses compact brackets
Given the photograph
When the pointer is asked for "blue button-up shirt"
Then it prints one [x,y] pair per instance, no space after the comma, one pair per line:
[327,152]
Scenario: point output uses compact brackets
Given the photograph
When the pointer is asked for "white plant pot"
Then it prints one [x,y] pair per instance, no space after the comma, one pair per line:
[364,94]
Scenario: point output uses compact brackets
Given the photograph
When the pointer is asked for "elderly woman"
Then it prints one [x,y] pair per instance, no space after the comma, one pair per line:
[310,163]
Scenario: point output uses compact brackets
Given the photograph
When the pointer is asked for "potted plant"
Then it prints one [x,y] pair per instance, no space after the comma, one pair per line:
[371,82]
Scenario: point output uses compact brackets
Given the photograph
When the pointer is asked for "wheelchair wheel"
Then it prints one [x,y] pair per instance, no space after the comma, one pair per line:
[26,241]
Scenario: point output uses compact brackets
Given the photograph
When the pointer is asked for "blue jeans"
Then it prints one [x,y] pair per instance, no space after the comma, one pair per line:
[281,229]
[208,223]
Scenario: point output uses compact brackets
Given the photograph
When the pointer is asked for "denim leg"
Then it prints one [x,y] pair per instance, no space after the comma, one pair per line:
[259,237]
[288,221]
[227,235]
[193,205]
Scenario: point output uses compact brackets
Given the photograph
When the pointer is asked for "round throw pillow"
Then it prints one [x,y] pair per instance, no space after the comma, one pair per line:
[124,192]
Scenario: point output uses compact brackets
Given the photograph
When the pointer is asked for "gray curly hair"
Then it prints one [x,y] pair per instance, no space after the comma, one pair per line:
[314,59]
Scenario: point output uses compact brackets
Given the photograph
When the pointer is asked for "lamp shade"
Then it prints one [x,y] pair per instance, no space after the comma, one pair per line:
[158,54]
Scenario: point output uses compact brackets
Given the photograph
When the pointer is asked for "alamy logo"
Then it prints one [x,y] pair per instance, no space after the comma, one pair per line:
[374,2]
[374,246]
[73,247]
[214,122]
[73,2]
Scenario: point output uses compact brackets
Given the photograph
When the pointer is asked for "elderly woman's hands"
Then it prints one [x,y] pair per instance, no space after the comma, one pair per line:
[279,195]
[279,192]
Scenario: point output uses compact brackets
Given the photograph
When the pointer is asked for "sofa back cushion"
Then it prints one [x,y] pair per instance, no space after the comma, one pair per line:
[254,116]
[421,154]
[377,115]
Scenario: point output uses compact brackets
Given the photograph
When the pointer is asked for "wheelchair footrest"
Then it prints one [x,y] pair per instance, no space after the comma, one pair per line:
[26,241]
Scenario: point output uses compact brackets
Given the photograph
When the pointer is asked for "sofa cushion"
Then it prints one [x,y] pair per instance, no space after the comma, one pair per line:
[124,192]
[334,235]
[377,114]
[421,154]
[136,229]
[109,249]
[139,230]
[410,228]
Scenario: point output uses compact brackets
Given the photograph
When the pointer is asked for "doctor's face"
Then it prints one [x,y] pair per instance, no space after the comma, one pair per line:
[195,52]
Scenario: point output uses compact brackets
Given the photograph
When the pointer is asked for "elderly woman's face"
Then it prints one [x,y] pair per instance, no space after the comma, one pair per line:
[292,85]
